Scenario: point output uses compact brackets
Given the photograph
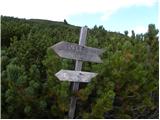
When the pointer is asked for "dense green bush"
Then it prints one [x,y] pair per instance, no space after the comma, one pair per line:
[126,85]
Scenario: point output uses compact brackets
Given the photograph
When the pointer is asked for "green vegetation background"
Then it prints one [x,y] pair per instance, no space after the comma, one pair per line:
[126,85]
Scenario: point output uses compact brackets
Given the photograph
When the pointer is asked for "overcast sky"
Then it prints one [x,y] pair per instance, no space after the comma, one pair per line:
[114,15]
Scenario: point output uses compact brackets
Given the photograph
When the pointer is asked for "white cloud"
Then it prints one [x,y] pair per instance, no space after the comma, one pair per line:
[62,9]
[138,30]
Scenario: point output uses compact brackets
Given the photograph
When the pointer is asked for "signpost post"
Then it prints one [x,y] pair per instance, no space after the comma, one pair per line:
[78,52]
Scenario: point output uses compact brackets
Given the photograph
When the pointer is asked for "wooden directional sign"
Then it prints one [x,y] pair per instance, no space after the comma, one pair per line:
[75,76]
[77,52]
[80,53]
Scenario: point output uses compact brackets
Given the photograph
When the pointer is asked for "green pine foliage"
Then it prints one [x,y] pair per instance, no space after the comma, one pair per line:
[126,85]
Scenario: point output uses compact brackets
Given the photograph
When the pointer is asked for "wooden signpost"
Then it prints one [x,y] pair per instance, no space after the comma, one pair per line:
[78,52]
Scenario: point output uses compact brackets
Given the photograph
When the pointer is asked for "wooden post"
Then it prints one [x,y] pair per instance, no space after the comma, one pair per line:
[78,67]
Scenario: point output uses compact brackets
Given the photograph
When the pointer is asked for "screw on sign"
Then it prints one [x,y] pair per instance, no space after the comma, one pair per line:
[78,52]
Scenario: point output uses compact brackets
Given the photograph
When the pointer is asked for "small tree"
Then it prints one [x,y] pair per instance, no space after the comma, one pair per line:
[65,21]
[133,35]
[126,32]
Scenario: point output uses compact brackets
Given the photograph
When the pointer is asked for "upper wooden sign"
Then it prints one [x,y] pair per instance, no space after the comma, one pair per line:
[77,52]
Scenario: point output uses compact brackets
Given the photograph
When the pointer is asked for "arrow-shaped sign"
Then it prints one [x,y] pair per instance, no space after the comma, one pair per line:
[75,76]
[77,52]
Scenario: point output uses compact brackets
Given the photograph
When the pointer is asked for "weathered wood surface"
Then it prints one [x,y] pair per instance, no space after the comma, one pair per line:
[75,76]
[77,52]
[78,67]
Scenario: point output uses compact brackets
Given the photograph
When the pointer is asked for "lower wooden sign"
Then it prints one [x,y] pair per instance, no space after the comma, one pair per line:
[75,76]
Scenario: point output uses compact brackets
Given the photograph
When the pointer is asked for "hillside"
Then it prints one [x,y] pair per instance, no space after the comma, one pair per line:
[126,85]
